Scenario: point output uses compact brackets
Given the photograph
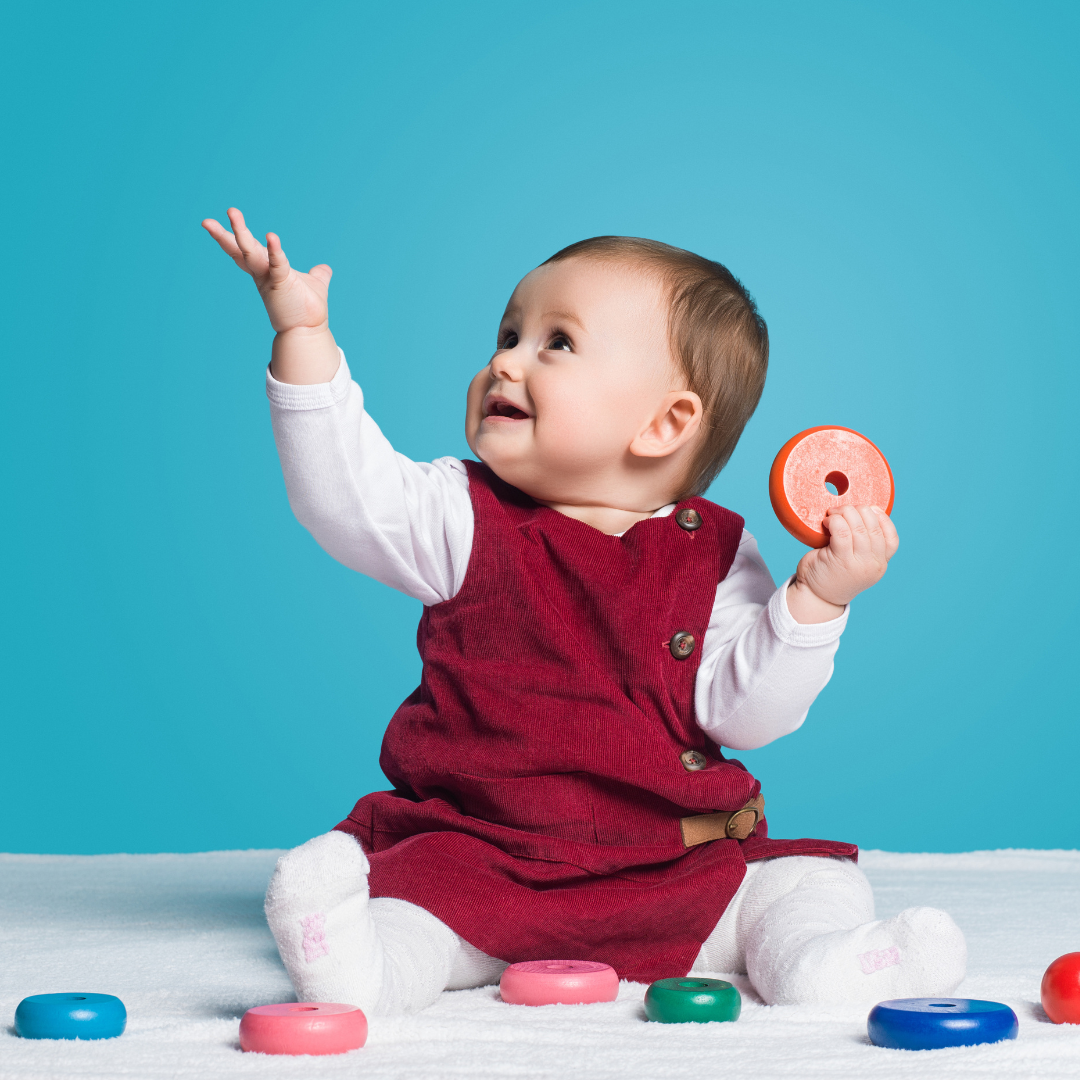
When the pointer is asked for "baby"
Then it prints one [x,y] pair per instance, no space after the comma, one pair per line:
[594,635]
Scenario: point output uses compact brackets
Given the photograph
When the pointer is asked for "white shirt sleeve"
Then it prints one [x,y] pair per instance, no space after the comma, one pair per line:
[760,670]
[407,524]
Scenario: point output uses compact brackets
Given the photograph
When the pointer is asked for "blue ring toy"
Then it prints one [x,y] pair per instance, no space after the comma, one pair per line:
[932,1023]
[70,1016]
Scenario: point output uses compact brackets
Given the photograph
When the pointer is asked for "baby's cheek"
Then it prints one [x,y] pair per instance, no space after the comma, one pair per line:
[589,416]
[474,401]
[576,438]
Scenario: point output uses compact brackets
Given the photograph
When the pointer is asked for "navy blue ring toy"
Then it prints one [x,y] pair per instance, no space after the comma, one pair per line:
[933,1023]
[70,1016]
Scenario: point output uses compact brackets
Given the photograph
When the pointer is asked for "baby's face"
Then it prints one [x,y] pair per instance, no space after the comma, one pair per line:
[582,363]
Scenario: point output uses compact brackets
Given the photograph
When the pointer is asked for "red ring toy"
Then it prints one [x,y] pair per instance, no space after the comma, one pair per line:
[558,982]
[854,466]
[304,1027]
[1060,990]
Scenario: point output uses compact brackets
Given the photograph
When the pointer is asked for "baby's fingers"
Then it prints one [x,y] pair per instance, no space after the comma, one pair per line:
[840,538]
[863,523]
[225,239]
[892,537]
[874,543]
[279,264]
[254,253]
[322,274]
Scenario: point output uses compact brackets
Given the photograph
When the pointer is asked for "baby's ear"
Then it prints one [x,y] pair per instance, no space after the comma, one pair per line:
[675,422]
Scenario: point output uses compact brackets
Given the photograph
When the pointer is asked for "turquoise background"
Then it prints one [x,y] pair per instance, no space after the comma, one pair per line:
[184,669]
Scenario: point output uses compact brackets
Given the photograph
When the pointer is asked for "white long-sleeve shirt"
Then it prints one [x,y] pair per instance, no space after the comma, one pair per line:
[409,525]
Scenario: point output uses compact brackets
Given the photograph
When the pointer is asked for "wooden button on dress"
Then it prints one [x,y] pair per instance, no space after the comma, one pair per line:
[682,644]
[688,519]
[693,760]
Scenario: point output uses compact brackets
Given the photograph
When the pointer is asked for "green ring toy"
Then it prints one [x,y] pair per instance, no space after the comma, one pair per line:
[691,1000]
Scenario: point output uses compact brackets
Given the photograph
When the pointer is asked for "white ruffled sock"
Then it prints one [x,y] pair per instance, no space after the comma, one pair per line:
[384,955]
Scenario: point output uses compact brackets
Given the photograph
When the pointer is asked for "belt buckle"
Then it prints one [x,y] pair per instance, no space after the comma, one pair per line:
[745,810]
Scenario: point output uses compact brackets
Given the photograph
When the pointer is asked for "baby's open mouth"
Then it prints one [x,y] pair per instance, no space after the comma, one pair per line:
[500,407]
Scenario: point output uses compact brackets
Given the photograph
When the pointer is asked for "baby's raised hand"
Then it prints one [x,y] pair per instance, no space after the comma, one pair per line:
[293,300]
[304,349]
[862,540]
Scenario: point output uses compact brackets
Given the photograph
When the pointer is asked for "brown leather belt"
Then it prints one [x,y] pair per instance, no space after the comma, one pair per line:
[725,825]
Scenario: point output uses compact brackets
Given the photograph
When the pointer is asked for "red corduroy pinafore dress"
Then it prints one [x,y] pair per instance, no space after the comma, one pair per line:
[537,780]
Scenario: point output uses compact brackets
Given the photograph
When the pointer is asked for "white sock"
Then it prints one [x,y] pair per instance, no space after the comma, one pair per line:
[918,953]
[384,955]
[317,908]
[471,967]
[803,928]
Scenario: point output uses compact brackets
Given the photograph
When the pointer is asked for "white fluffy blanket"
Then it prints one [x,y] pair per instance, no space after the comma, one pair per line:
[181,939]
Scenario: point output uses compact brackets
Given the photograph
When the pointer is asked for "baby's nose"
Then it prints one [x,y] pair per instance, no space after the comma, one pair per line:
[505,365]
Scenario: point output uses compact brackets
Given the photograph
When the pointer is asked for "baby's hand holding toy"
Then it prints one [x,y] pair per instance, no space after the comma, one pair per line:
[828,486]
[862,540]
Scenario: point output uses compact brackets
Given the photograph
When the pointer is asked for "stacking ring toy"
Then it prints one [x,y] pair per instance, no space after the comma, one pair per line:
[820,456]
[70,1016]
[932,1023]
[1061,989]
[306,1027]
[679,1001]
[558,982]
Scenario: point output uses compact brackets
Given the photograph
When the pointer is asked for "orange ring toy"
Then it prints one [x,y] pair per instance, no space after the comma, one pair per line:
[819,456]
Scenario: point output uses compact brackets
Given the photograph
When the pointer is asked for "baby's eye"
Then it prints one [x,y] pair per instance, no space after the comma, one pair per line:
[560,341]
[507,340]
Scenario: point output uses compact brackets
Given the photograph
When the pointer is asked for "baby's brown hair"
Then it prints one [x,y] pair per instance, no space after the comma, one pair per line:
[717,337]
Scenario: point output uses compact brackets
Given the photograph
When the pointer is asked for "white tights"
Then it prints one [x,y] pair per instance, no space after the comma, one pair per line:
[801,927]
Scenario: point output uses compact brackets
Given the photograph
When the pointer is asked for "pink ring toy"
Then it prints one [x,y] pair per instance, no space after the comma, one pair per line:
[305,1027]
[558,982]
